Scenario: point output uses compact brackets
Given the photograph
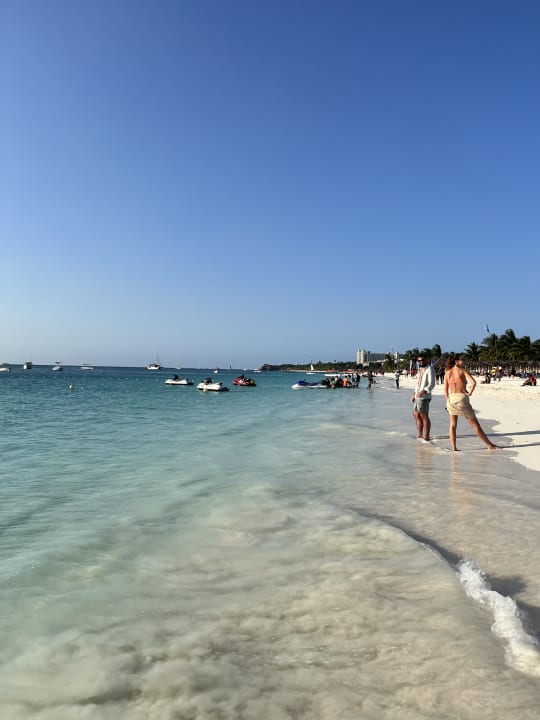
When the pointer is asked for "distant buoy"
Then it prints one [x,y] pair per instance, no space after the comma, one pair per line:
[72,387]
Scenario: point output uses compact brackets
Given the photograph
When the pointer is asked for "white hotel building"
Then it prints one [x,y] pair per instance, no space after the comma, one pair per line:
[365,357]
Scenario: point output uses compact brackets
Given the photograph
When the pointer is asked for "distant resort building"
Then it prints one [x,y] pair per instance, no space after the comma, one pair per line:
[366,357]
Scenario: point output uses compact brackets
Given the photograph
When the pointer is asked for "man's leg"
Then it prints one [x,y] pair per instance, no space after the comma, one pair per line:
[419,423]
[426,424]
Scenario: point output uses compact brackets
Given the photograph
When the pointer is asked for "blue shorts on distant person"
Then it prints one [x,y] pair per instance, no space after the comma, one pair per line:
[421,405]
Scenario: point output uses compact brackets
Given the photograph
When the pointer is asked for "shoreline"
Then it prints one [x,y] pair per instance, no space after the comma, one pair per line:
[510,408]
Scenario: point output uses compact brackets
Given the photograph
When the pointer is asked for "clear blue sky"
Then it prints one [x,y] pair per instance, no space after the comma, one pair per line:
[238,182]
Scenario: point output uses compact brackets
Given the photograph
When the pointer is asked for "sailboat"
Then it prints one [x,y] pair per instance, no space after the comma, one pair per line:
[311,371]
[155,365]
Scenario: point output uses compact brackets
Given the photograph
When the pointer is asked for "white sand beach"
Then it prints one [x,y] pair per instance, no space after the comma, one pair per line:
[513,408]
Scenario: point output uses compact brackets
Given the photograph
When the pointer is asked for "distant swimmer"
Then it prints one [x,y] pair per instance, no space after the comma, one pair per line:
[456,381]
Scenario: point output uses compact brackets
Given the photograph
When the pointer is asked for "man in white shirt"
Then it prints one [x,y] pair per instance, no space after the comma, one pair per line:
[421,399]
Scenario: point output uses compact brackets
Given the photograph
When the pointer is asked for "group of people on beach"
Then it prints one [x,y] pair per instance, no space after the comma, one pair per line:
[459,385]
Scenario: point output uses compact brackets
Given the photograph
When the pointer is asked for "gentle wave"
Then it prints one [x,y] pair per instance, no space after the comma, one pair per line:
[522,649]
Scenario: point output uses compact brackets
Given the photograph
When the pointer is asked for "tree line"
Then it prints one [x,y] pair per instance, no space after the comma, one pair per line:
[505,348]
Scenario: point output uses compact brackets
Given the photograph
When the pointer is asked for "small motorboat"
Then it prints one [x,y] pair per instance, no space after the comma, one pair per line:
[211,385]
[27,365]
[5,368]
[175,380]
[87,366]
[57,367]
[244,381]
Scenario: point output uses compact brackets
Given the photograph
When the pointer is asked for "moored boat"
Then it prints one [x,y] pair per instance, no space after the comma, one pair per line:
[209,385]
[175,380]
[244,381]
[305,385]
[27,365]
[156,365]
[57,367]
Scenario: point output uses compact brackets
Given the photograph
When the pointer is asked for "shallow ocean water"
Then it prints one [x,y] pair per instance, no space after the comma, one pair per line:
[262,553]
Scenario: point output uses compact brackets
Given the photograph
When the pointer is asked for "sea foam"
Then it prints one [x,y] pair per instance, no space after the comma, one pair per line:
[522,649]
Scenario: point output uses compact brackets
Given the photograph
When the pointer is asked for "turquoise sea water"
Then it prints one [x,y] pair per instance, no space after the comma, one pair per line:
[262,553]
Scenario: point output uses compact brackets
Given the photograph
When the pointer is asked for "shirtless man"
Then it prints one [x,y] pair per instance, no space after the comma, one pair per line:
[456,381]
[421,399]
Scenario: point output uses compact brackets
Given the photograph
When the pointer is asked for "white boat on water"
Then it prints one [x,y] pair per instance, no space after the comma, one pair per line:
[86,366]
[57,367]
[5,368]
[155,365]
[27,365]
[209,385]
[175,380]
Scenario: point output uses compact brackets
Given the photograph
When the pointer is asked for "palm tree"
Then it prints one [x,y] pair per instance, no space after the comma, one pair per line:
[472,352]
[436,351]
[525,347]
[389,362]
[489,348]
[508,344]
[411,355]
[409,358]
